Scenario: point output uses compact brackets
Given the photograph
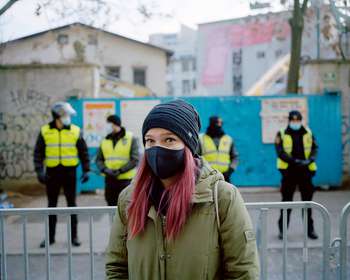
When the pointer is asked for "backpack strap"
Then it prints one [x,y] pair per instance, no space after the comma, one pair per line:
[216,202]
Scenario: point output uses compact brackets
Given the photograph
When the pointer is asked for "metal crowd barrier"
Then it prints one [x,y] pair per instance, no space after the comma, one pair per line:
[262,227]
[45,212]
[264,208]
[343,231]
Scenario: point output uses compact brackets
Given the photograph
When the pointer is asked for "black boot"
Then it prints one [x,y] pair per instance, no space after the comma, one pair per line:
[42,244]
[312,234]
[76,242]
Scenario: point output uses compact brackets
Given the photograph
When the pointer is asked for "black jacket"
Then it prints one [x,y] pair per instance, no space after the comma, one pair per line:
[298,146]
[39,152]
[134,153]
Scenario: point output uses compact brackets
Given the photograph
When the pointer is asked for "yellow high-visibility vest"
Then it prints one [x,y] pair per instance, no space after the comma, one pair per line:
[287,143]
[218,158]
[117,156]
[61,145]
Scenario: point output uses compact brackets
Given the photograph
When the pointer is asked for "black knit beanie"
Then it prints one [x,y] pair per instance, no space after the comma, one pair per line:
[114,119]
[177,116]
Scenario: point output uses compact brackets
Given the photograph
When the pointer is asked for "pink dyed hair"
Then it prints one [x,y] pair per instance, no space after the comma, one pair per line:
[179,198]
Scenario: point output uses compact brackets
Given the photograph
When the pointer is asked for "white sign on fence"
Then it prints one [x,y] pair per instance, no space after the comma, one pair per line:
[95,125]
[274,115]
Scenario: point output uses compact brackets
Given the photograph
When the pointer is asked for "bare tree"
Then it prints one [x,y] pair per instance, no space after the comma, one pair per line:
[296,23]
[99,13]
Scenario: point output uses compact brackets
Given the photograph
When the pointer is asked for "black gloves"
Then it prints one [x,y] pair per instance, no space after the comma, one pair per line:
[111,172]
[42,177]
[84,177]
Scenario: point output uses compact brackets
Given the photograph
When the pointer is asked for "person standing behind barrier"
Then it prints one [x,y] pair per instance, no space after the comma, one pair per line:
[296,150]
[117,159]
[179,219]
[57,152]
[218,148]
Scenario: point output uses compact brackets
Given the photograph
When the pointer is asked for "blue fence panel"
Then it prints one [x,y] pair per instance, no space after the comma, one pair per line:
[257,160]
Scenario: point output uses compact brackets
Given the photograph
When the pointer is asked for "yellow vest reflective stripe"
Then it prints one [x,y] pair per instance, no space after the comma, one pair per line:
[218,158]
[287,143]
[61,145]
[119,155]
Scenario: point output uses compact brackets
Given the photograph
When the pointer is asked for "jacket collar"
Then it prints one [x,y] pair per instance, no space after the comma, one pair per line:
[53,125]
[208,177]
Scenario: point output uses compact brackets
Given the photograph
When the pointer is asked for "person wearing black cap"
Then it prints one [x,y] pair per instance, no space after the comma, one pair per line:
[179,219]
[296,150]
[218,148]
[117,159]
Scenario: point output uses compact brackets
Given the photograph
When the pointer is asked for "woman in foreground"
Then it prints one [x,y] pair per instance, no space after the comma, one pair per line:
[179,219]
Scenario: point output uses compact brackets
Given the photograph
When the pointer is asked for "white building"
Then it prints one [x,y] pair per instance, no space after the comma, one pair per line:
[126,59]
[232,55]
[51,66]
[181,73]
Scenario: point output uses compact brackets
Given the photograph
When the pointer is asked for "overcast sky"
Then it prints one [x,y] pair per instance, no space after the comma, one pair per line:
[20,19]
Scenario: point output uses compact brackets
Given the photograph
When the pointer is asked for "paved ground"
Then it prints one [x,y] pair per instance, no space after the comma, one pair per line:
[334,201]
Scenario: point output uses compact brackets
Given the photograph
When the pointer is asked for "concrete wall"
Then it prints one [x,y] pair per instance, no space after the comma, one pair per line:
[26,94]
[319,76]
[90,46]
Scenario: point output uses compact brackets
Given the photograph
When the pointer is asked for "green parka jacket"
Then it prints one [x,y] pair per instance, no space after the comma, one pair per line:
[202,251]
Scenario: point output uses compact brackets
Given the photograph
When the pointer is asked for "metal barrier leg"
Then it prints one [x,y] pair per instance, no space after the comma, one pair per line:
[47,248]
[284,213]
[3,249]
[69,245]
[25,248]
[305,249]
[91,238]
[343,230]
[263,243]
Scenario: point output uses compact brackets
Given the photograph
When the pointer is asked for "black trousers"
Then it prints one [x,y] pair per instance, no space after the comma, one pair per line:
[57,178]
[291,178]
[113,188]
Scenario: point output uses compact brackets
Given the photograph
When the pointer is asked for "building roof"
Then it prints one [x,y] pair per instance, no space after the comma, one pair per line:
[167,51]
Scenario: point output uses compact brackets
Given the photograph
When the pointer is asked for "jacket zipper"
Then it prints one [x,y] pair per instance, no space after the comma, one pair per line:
[59,147]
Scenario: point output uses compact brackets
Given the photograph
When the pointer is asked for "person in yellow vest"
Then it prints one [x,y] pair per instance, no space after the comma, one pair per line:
[218,148]
[117,159]
[58,150]
[296,151]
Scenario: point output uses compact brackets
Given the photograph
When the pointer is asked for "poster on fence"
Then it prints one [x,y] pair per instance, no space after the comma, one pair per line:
[274,115]
[133,113]
[95,126]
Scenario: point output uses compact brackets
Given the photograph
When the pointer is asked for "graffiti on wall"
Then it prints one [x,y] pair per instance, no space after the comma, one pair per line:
[20,120]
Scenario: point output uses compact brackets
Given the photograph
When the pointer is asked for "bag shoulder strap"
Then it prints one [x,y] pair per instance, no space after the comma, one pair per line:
[216,202]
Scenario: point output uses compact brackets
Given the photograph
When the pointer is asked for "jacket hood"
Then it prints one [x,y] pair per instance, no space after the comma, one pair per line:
[208,176]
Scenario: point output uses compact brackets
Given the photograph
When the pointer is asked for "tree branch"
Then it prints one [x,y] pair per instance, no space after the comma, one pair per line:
[304,6]
[7,6]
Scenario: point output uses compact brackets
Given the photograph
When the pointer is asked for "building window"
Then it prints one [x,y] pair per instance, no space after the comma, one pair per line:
[185,64]
[63,39]
[186,87]
[278,53]
[260,54]
[113,71]
[194,85]
[140,76]
[170,88]
[194,64]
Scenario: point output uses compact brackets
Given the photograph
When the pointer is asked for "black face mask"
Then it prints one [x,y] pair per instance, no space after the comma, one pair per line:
[164,162]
